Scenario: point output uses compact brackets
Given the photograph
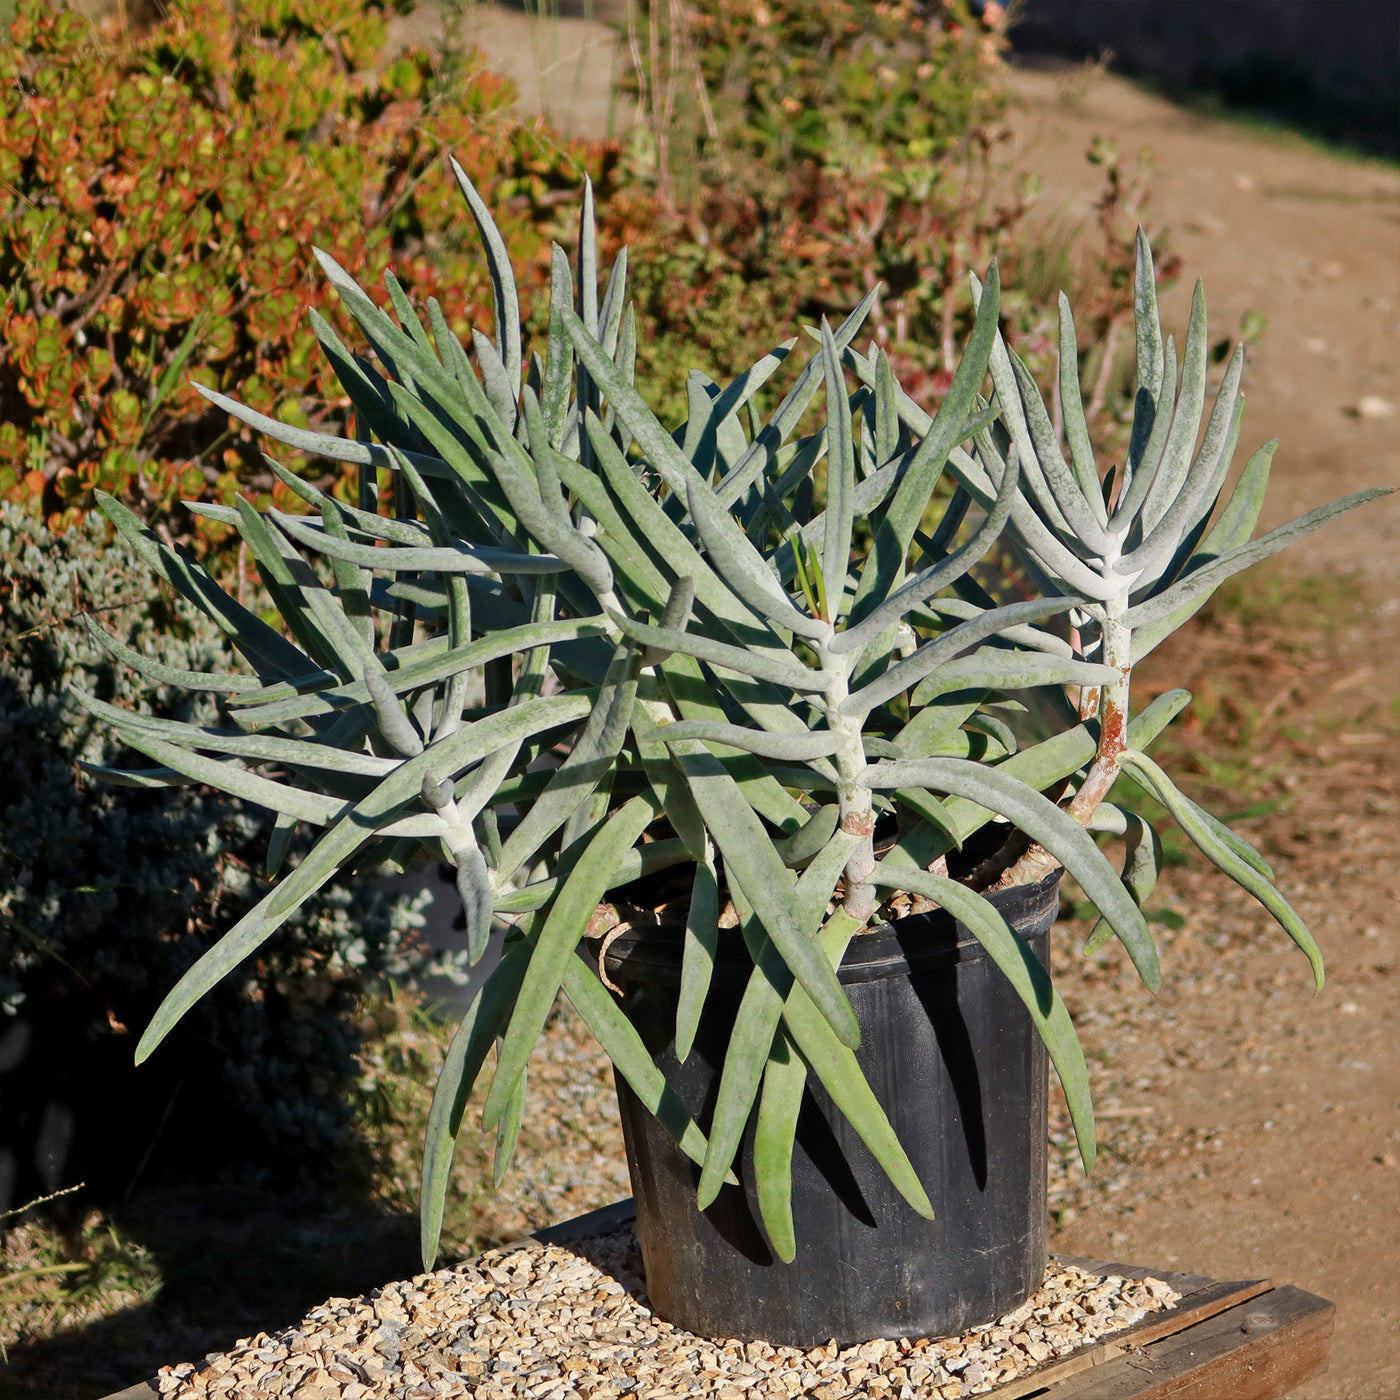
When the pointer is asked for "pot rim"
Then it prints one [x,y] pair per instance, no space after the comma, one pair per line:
[652,954]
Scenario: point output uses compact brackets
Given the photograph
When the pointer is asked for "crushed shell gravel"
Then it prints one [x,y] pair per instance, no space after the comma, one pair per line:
[550,1322]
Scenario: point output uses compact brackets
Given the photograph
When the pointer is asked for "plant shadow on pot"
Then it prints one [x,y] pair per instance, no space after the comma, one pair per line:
[953,1058]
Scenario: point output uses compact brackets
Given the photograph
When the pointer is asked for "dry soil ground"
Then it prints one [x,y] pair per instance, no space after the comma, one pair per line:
[1253,1125]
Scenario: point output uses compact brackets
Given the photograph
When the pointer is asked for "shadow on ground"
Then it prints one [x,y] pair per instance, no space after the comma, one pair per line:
[236,1260]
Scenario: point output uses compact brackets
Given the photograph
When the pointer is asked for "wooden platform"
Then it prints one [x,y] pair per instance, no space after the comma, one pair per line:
[1248,1340]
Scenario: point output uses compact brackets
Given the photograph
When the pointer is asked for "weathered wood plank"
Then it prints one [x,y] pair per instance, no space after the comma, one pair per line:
[1258,1350]
[1194,1307]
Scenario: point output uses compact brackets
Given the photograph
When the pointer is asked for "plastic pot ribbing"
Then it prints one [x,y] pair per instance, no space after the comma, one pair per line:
[953,1057]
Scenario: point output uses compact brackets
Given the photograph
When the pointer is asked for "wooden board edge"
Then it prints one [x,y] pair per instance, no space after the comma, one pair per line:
[142,1390]
[1260,1349]
[1204,1304]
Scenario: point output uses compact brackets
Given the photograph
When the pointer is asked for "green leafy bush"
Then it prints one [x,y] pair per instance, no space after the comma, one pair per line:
[107,893]
[149,185]
[804,152]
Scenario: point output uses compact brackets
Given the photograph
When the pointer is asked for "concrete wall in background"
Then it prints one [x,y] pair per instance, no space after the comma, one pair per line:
[1328,66]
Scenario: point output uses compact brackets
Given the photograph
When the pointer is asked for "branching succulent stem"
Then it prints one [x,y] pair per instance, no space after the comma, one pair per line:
[855,798]
[1112,709]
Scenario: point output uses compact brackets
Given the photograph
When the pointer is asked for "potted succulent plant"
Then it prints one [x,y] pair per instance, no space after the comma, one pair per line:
[734,757]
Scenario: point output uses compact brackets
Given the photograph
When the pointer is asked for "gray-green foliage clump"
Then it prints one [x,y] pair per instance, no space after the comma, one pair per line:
[107,894]
[586,649]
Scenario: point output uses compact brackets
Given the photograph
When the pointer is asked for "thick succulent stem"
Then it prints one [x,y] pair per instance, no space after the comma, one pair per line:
[855,798]
[1112,707]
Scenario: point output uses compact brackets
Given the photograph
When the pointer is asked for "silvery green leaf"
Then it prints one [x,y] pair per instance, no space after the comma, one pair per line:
[648,859]
[485,1019]
[321,863]
[731,399]
[267,650]
[1202,482]
[934,579]
[1042,821]
[365,387]
[693,693]
[298,753]
[1040,766]
[508,1133]
[352,583]
[668,544]
[237,781]
[495,378]
[788,747]
[935,724]
[909,672]
[803,846]
[475,890]
[1186,419]
[278,844]
[788,414]
[1069,497]
[502,279]
[1152,422]
[775,1132]
[744,568]
[365,524]
[835,1065]
[408,318]
[886,409]
[591,758]
[993,728]
[394,725]
[1224,855]
[1230,532]
[588,261]
[1038,540]
[1142,860]
[229,683]
[790,673]
[993,669]
[1031,638]
[660,448]
[755,1021]
[1014,956]
[463,559]
[752,863]
[697,955]
[945,431]
[145,778]
[841,475]
[615,304]
[1081,449]
[311,611]
[435,663]
[559,934]
[630,1057]
[1150,374]
[760,1009]
[1210,576]
[338,449]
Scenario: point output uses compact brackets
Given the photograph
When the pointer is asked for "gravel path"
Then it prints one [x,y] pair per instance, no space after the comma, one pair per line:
[554,1321]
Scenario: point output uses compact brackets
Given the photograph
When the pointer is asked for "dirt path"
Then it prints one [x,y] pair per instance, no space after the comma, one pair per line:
[1259,1121]
[1250,1126]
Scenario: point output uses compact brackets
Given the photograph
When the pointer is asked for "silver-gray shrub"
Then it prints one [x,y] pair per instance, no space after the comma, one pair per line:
[107,893]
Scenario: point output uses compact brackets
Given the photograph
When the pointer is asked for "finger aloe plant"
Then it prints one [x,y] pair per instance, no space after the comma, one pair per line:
[584,649]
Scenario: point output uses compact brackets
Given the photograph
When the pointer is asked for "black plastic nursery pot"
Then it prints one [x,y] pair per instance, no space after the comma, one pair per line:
[953,1057]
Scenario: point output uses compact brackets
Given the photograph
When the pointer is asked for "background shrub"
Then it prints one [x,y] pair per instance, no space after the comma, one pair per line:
[108,894]
[801,151]
[159,197]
